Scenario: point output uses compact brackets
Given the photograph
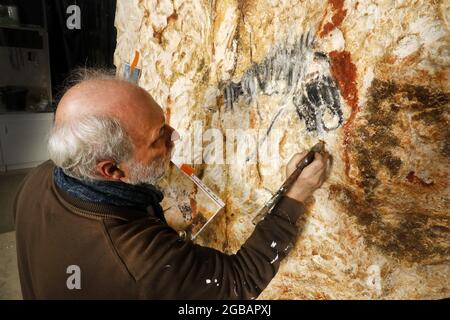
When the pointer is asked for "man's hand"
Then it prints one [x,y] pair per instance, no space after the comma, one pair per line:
[310,179]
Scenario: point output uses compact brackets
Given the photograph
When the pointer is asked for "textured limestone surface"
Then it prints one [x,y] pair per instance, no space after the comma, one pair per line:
[370,78]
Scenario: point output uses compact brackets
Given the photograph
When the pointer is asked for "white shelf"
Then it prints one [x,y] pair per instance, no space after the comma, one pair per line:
[26,28]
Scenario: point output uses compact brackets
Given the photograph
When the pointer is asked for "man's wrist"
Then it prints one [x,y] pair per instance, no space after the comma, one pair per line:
[289,208]
[298,196]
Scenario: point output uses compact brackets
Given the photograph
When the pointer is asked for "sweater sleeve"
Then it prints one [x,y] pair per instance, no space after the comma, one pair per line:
[166,267]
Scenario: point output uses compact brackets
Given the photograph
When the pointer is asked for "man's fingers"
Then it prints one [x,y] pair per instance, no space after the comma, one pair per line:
[292,164]
[311,178]
[324,156]
[317,164]
[296,158]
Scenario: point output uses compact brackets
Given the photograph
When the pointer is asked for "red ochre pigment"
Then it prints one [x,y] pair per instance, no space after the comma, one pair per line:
[344,72]
[336,19]
[411,177]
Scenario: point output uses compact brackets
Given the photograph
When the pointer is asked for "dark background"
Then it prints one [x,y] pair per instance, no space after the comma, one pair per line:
[91,46]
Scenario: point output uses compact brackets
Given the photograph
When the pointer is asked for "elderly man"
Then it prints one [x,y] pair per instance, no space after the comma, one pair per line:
[89,224]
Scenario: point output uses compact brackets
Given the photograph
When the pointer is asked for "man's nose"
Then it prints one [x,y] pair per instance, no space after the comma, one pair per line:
[174,136]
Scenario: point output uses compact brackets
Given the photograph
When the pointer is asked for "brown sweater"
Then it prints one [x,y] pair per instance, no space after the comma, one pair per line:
[125,254]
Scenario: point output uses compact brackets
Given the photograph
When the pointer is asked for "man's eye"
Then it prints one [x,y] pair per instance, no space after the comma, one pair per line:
[156,142]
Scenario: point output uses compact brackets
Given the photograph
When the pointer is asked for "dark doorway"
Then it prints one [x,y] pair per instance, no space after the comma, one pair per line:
[92,45]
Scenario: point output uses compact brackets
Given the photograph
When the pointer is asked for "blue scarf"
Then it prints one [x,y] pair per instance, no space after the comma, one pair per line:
[119,194]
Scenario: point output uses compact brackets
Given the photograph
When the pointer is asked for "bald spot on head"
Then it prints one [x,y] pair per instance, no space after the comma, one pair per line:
[128,103]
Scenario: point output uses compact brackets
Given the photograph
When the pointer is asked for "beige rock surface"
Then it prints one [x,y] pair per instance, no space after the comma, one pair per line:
[372,83]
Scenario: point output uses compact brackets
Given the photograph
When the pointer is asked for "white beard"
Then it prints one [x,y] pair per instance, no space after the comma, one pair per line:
[150,174]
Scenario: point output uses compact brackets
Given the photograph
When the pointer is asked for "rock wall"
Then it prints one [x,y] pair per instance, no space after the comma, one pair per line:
[370,78]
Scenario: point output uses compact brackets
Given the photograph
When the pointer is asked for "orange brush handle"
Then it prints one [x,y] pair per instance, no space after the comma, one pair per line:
[135,60]
[187,169]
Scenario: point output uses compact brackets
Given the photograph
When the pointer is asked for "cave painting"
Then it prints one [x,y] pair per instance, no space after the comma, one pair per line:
[300,73]
[369,78]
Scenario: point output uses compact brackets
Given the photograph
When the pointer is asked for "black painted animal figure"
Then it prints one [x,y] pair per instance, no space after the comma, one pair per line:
[296,72]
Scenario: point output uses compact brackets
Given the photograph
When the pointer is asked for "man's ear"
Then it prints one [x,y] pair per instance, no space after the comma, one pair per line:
[109,170]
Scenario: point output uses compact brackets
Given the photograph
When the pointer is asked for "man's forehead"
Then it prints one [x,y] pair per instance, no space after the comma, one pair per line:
[138,112]
[149,110]
[95,97]
[146,120]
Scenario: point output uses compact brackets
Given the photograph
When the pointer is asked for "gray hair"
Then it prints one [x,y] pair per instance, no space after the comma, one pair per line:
[77,146]
[81,74]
